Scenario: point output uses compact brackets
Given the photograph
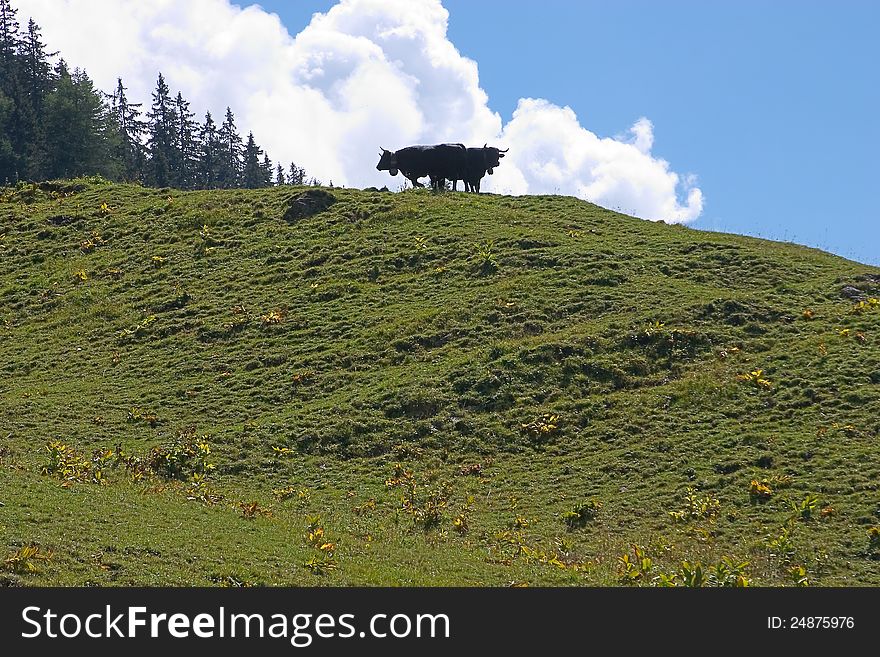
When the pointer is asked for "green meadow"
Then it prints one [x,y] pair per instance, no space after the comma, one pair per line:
[323,386]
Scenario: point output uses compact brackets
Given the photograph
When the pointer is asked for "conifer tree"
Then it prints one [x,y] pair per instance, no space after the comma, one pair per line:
[297,175]
[11,161]
[130,130]
[76,122]
[229,164]
[37,72]
[253,174]
[266,167]
[161,136]
[9,38]
[186,153]
[33,83]
[209,154]
[279,174]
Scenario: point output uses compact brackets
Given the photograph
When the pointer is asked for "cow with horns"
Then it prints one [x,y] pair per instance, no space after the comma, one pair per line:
[481,161]
[442,162]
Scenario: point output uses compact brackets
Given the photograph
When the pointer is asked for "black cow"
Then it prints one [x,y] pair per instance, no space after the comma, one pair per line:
[481,161]
[440,162]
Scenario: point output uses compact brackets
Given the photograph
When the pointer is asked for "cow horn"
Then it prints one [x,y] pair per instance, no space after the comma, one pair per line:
[505,150]
[484,145]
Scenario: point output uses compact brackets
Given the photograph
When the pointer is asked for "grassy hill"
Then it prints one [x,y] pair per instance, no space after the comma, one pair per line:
[329,386]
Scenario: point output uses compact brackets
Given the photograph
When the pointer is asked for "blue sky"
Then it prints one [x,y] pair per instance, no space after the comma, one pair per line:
[773,105]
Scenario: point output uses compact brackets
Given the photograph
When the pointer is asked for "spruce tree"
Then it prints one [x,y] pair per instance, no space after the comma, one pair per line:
[76,121]
[297,175]
[35,81]
[130,130]
[186,153]
[11,142]
[266,167]
[279,174]
[37,72]
[209,154]
[253,174]
[229,165]
[161,120]
[9,39]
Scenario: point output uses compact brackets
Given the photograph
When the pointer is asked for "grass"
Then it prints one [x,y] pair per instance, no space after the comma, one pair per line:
[441,380]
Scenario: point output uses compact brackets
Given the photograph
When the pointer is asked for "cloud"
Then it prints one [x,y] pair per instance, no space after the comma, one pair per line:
[365,74]
[552,153]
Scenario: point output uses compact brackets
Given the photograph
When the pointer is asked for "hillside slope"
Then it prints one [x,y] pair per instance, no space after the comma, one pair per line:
[309,386]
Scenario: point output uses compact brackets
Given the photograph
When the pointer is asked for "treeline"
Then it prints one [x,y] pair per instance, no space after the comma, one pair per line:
[54,123]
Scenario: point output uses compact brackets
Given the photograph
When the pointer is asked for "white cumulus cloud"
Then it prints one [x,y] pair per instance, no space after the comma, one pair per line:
[551,152]
[365,74]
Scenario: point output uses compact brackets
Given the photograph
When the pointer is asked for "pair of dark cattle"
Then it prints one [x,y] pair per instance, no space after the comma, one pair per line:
[442,162]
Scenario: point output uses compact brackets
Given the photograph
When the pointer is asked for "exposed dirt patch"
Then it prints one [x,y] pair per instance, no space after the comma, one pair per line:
[307,204]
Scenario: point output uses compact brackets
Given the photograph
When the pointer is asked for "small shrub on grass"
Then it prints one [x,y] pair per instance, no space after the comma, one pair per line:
[635,568]
[23,560]
[730,573]
[542,428]
[806,508]
[316,538]
[426,503]
[799,576]
[321,564]
[136,414]
[760,491]
[184,457]
[781,546]
[706,506]
[581,514]
[484,258]
[272,317]
[301,494]
[67,464]
[756,378]
[461,522]
[428,510]
[251,510]
[727,573]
